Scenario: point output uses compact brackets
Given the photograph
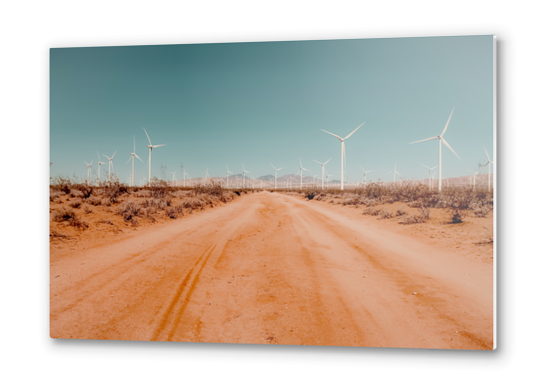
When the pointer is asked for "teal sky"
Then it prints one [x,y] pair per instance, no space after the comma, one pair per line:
[261,103]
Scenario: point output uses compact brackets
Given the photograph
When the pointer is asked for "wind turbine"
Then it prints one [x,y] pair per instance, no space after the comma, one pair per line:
[173,176]
[206,175]
[364,174]
[150,146]
[430,178]
[276,170]
[394,172]
[132,155]
[110,159]
[343,153]
[322,164]
[99,166]
[301,169]
[89,166]
[227,176]
[473,179]
[440,141]
[244,171]
[489,162]
[184,179]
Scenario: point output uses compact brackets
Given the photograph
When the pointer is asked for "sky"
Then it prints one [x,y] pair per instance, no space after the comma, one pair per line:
[259,103]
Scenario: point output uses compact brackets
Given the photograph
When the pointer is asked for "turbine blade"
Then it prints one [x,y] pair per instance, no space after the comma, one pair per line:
[159,145]
[134,143]
[138,157]
[147,136]
[419,141]
[351,133]
[448,122]
[332,134]
[98,155]
[327,161]
[317,162]
[487,154]
[279,169]
[448,145]
[114,154]
[425,166]
[131,157]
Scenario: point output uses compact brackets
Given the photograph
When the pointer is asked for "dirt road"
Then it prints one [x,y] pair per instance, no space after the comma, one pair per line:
[272,268]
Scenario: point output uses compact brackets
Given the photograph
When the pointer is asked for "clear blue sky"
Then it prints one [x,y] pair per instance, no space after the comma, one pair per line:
[261,103]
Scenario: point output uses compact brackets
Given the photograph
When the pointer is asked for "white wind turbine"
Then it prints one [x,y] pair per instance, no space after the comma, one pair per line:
[173,173]
[327,179]
[322,164]
[343,153]
[150,146]
[110,159]
[301,169]
[276,170]
[244,171]
[489,162]
[474,173]
[430,177]
[184,179]
[227,176]
[394,172]
[89,166]
[364,175]
[206,176]
[440,141]
[132,155]
[99,166]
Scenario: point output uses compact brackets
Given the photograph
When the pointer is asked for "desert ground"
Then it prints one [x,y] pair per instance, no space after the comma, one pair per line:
[271,268]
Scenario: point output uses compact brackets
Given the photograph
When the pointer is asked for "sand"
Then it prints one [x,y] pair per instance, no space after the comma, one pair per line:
[271,268]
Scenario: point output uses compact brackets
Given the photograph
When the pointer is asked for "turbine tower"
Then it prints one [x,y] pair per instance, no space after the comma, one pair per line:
[364,174]
[110,159]
[430,178]
[322,164]
[173,173]
[343,153]
[489,162]
[473,179]
[99,166]
[150,146]
[89,166]
[244,171]
[132,155]
[301,169]
[276,170]
[440,141]
[227,176]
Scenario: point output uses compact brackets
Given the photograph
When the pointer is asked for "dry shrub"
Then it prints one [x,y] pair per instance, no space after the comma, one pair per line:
[75,203]
[213,188]
[128,210]
[94,200]
[421,217]
[400,211]
[385,215]
[54,195]
[68,215]
[113,190]
[159,188]
[87,208]
[171,213]
[54,234]
[76,193]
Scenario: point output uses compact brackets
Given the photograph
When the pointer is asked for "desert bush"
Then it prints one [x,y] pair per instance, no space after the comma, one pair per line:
[171,213]
[61,184]
[385,214]
[87,208]
[400,211]
[113,190]
[311,193]
[213,188]
[76,193]
[75,203]
[421,217]
[158,188]
[94,200]
[54,195]
[67,214]
[128,210]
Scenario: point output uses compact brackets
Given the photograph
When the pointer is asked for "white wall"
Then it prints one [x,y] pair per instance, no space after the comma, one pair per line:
[29,29]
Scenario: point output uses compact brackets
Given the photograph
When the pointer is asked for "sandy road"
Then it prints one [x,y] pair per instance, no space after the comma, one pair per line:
[271,268]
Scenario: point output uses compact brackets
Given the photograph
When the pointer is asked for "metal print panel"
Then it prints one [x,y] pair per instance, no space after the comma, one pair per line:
[332,193]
